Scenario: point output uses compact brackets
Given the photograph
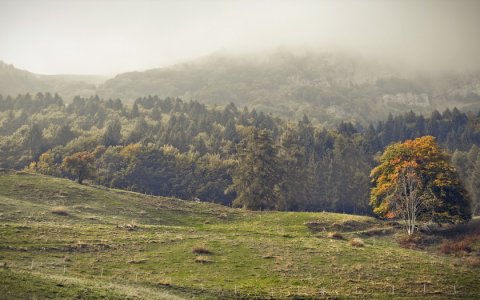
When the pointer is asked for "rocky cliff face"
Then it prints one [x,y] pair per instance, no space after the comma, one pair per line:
[408,99]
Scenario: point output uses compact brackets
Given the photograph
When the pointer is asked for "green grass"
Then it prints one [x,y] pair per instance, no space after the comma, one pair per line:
[91,253]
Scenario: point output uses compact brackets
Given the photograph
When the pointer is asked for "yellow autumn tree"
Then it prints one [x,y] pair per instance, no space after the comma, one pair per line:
[415,182]
[79,164]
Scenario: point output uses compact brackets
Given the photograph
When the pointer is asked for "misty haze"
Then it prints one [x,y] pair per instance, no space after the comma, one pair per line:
[160,149]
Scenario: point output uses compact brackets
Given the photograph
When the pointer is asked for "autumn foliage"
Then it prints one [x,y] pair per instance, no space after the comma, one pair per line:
[416,182]
[79,164]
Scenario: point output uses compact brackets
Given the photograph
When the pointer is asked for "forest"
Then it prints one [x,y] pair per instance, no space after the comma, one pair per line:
[185,149]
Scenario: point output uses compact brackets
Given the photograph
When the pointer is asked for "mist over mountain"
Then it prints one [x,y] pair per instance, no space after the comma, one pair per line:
[14,81]
[326,86]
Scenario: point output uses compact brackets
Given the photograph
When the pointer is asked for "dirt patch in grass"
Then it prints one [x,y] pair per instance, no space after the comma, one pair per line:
[346,225]
[381,231]
[335,235]
[201,250]
[83,247]
[352,225]
[317,226]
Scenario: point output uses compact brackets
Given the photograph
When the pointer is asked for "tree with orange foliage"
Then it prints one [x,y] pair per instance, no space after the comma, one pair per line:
[415,182]
[79,164]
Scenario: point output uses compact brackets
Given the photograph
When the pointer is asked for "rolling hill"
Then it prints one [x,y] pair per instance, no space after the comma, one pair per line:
[14,81]
[59,239]
[328,87]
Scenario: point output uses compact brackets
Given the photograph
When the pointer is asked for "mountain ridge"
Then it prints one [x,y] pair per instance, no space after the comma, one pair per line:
[328,87]
[14,81]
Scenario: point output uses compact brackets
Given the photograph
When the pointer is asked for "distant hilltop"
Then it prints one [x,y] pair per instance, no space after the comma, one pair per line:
[326,86]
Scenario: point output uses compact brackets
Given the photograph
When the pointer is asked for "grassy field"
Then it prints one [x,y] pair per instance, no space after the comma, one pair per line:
[62,240]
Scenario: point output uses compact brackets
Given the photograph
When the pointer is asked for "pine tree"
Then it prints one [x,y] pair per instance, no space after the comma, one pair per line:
[112,135]
[257,175]
[33,140]
[474,187]
[135,113]
[296,182]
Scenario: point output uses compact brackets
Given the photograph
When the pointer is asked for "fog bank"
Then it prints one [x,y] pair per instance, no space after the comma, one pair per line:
[106,37]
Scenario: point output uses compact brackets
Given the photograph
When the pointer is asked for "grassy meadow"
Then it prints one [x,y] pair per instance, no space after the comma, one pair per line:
[62,240]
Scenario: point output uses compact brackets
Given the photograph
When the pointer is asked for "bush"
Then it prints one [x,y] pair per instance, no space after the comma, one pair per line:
[457,247]
[409,241]
[60,210]
[356,242]
[473,261]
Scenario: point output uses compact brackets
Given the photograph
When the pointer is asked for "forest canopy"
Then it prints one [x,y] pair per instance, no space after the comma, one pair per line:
[185,149]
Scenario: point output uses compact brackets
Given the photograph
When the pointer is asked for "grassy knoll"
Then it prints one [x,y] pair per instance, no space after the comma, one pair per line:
[59,239]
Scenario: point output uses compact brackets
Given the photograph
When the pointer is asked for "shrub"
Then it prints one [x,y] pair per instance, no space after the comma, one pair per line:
[201,250]
[473,261]
[413,241]
[356,242]
[456,246]
[164,282]
[335,235]
[60,210]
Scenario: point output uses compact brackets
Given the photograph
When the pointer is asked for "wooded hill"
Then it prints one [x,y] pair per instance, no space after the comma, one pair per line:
[170,147]
[14,81]
[327,87]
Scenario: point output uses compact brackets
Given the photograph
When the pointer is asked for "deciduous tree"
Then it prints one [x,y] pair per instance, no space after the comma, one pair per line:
[79,164]
[415,182]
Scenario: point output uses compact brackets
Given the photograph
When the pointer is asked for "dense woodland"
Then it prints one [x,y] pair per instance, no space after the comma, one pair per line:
[229,155]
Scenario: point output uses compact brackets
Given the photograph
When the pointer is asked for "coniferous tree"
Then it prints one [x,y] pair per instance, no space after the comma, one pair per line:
[474,187]
[112,135]
[135,112]
[257,175]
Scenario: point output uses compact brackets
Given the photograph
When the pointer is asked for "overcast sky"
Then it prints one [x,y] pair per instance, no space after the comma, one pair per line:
[110,36]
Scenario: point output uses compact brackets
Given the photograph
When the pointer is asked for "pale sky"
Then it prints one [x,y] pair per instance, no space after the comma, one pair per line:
[111,36]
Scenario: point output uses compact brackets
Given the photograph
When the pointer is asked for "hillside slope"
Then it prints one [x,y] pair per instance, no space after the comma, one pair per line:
[328,87]
[59,239]
[14,81]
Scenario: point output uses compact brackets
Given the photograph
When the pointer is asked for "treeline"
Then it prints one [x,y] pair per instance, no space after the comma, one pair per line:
[227,155]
